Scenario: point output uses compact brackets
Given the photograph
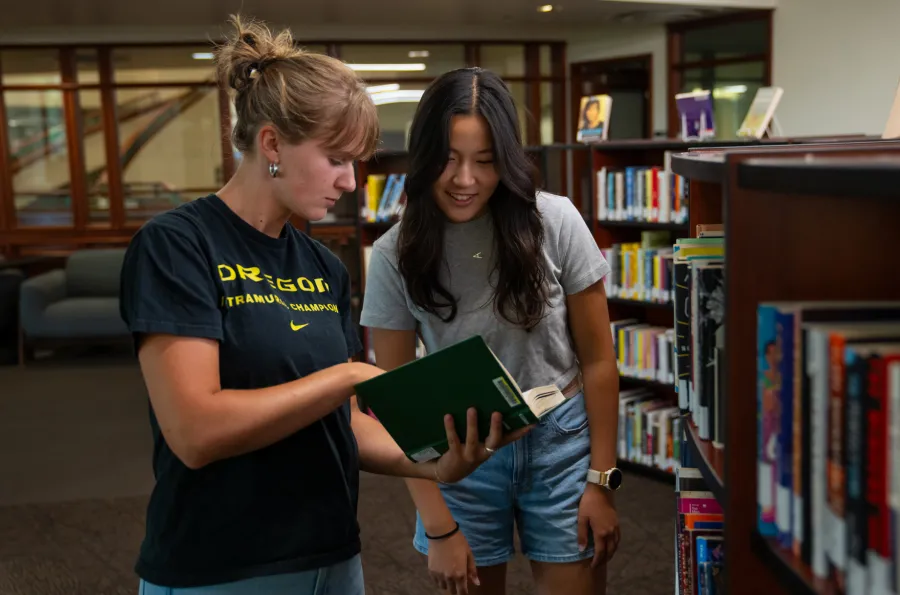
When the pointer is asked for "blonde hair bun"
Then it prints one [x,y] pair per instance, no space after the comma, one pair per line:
[304,95]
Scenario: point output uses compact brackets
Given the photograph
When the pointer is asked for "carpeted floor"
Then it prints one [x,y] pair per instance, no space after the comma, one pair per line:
[74,479]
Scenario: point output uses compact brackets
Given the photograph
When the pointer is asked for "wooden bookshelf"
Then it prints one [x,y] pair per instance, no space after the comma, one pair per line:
[639,303]
[634,381]
[791,574]
[644,225]
[782,223]
[648,153]
[708,459]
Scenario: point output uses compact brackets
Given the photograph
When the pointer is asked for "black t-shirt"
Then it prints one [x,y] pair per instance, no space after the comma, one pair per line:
[280,310]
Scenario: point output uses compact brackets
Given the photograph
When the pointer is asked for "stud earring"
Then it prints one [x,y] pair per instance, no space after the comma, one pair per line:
[273,169]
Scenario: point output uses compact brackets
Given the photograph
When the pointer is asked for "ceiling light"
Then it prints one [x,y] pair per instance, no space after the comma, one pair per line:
[418,53]
[545,8]
[405,96]
[387,67]
[383,88]
[202,56]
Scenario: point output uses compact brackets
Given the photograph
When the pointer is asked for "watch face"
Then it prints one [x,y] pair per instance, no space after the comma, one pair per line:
[614,480]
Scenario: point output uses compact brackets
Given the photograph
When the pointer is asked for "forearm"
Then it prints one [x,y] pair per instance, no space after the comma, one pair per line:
[379,453]
[601,397]
[393,349]
[229,423]
[426,495]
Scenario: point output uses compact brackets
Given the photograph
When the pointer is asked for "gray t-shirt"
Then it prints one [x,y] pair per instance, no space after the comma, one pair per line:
[542,357]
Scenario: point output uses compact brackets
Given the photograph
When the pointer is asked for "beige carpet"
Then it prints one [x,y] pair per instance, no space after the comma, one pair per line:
[75,474]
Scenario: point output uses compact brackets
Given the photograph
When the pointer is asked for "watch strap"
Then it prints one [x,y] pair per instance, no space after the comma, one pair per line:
[597,477]
[601,478]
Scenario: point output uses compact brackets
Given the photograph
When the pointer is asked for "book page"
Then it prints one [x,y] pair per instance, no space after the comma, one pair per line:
[540,400]
[543,399]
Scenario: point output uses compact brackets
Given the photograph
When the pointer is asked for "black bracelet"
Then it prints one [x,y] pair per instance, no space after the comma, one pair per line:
[451,533]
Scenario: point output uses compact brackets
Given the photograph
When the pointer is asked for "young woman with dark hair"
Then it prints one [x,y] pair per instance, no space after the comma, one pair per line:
[243,330]
[481,251]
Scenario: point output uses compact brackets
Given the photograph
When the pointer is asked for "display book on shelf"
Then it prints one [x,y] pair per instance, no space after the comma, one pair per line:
[811,384]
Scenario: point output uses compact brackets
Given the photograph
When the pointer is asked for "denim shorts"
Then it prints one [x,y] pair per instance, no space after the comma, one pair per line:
[534,484]
[343,578]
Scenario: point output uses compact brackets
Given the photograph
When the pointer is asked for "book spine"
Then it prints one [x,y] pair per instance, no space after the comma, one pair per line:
[893,474]
[785,462]
[837,554]
[855,466]
[820,518]
[802,451]
[878,546]
[682,272]
[767,419]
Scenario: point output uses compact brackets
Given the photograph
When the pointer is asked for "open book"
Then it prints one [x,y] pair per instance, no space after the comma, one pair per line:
[411,401]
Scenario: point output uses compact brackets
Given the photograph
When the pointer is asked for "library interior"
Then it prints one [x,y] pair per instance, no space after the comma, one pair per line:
[734,161]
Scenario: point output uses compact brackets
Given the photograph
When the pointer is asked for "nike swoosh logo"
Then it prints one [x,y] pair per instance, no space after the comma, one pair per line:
[477,255]
[297,327]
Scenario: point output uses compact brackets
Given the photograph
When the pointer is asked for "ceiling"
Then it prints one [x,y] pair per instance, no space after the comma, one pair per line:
[310,14]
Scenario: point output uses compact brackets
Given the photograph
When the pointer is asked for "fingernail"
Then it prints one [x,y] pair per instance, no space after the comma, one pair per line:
[476,581]
[581,547]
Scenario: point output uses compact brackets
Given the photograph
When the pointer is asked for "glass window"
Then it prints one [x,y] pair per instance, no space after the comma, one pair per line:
[169,146]
[396,104]
[39,158]
[94,151]
[30,67]
[176,64]
[733,87]
[518,93]
[388,61]
[546,113]
[546,60]
[505,60]
[88,66]
[731,40]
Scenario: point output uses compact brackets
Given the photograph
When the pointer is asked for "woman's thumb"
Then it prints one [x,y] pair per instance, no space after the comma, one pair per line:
[473,570]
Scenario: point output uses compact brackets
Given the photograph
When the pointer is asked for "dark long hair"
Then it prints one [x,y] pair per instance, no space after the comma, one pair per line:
[521,294]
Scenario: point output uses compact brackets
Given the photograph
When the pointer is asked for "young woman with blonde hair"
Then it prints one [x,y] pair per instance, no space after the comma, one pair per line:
[243,331]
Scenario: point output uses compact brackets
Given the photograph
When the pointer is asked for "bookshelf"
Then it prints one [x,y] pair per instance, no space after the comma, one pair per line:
[653,232]
[810,221]
[708,459]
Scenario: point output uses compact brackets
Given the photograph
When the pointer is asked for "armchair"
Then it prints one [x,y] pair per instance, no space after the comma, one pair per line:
[77,303]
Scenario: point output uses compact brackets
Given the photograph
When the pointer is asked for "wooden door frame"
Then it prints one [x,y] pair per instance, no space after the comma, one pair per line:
[576,80]
[675,41]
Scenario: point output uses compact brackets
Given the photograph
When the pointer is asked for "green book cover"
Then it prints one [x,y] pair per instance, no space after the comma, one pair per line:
[411,400]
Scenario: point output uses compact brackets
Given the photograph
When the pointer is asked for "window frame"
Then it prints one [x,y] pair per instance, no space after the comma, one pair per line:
[675,33]
[118,228]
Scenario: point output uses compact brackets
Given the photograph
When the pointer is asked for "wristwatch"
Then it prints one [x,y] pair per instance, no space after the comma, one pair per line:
[610,479]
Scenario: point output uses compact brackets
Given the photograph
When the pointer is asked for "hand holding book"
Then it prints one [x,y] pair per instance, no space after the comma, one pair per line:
[462,458]
[467,386]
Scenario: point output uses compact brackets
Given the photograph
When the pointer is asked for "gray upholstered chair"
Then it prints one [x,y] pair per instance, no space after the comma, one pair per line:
[77,303]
